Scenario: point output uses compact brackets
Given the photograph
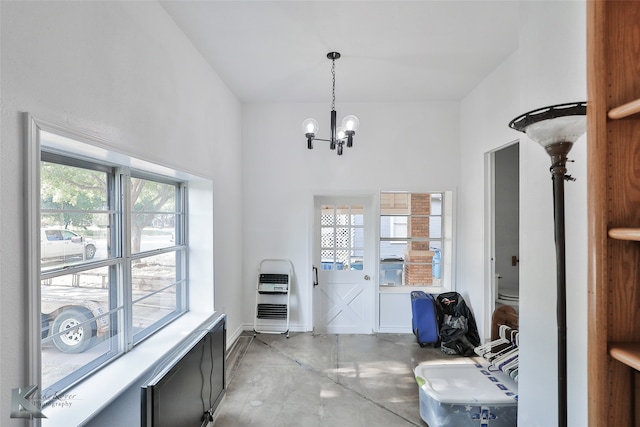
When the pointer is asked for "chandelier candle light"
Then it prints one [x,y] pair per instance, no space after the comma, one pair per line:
[556,128]
[340,135]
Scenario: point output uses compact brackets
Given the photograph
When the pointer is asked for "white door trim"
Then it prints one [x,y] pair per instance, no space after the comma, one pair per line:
[490,288]
[370,264]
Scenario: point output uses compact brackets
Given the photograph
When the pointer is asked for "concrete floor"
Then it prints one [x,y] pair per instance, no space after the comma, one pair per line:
[323,380]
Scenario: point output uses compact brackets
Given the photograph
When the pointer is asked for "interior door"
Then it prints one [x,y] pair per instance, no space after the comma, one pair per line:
[343,296]
[506,211]
[502,228]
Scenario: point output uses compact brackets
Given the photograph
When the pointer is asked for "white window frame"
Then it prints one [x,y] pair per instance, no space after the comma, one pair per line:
[201,283]
[447,254]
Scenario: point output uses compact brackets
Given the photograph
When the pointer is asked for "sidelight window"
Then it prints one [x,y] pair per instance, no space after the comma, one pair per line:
[412,239]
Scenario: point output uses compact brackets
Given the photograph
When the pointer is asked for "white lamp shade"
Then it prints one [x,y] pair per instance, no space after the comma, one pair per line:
[559,129]
[351,122]
[562,123]
[310,126]
[340,132]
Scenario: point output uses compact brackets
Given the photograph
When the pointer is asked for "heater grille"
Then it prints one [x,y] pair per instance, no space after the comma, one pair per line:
[274,278]
[272,311]
[273,296]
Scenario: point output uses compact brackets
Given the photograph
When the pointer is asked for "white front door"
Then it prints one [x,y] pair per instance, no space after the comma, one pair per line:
[343,296]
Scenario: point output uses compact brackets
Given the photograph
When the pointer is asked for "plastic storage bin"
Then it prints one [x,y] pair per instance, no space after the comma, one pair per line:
[466,395]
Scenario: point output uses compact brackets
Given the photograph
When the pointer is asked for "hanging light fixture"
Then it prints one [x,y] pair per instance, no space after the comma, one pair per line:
[339,135]
[556,128]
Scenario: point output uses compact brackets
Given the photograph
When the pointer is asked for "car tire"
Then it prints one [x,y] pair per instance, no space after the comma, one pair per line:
[45,322]
[77,338]
[89,251]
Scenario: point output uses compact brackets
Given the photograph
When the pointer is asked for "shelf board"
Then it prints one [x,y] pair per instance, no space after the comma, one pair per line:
[625,233]
[626,110]
[627,353]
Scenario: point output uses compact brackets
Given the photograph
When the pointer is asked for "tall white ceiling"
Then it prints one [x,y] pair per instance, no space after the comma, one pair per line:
[392,51]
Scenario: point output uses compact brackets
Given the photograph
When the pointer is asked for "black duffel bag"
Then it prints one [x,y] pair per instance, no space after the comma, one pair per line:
[458,329]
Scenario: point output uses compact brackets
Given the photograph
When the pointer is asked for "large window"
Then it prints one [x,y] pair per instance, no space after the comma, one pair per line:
[113,261]
[412,237]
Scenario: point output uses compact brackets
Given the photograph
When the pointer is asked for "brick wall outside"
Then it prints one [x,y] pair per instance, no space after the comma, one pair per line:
[418,258]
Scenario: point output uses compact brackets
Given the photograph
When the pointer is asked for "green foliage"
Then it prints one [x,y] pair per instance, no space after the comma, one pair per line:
[64,189]
[71,188]
[149,199]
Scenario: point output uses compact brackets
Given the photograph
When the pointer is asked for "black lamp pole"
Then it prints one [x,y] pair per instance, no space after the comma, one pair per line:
[556,128]
[558,153]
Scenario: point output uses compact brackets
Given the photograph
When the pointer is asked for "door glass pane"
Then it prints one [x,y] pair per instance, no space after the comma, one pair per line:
[327,215]
[327,238]
[342,215]
[328,259]
[358,238]
[342,260]
[357,215]
[342,237]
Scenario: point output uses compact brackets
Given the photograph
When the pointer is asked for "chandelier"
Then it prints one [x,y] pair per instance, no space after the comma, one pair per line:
[339,135]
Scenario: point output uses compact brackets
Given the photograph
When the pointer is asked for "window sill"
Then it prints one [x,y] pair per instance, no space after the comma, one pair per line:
[386,289]
[89,397]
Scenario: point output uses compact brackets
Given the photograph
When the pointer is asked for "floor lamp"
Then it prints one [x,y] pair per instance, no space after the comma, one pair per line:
[556,128]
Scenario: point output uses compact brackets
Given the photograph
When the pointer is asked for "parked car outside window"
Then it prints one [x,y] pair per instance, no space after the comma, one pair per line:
[62,243]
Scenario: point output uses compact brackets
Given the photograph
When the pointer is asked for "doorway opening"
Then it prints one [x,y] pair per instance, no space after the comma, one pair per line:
[503,228]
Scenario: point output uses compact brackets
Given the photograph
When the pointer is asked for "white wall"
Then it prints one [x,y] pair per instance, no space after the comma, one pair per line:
[549,68]
[485,114]
[124,73]
[410,146]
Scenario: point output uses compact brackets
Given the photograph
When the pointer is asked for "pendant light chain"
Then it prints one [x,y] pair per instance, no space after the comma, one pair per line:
[333,92]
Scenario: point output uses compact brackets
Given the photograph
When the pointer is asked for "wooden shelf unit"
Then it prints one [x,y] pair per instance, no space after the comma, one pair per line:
[613,138]
[625,233]
[627,353]
[626,110]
